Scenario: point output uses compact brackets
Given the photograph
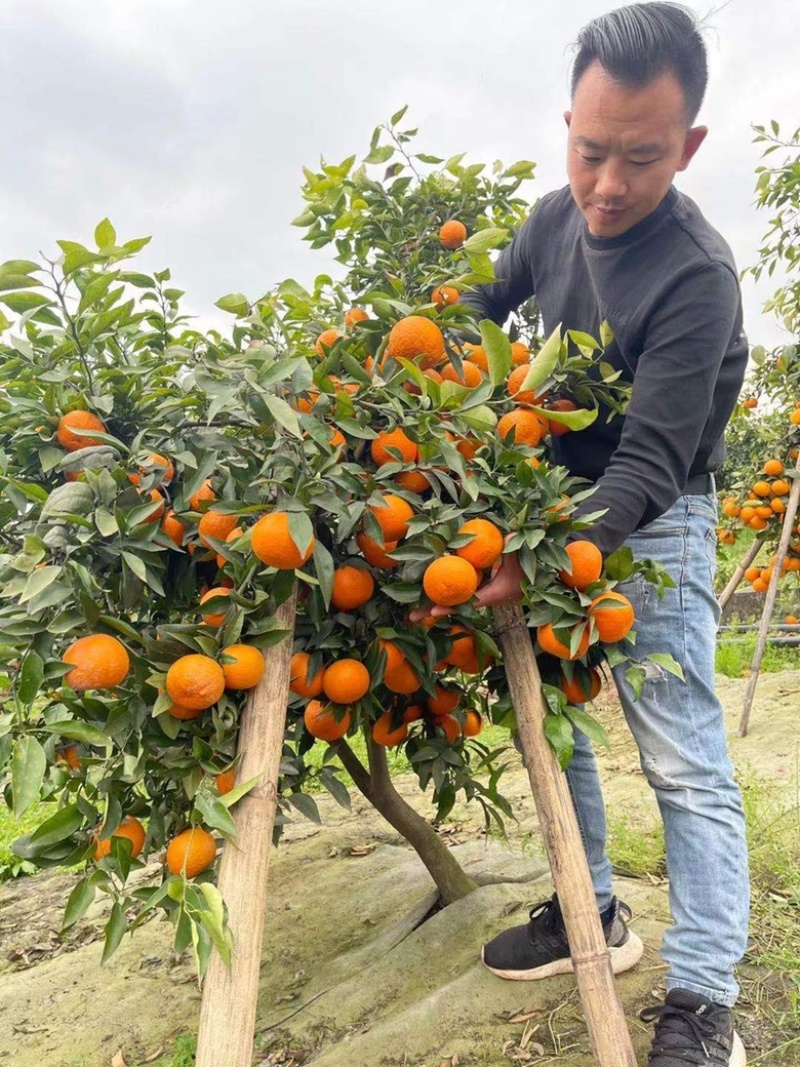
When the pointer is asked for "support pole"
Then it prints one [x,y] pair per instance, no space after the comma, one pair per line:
[605,1020]
[228,1009]
[769,603]
[738,574]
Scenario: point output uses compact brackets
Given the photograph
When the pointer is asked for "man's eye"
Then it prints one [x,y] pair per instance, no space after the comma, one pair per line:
[590,159]
[636,163]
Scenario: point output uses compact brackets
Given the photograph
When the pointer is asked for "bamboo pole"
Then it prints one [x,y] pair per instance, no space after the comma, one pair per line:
[608,1031]
[738,574]
[230,995]
[769,603]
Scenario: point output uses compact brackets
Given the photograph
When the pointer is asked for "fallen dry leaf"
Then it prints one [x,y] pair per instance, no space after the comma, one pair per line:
[118,1059]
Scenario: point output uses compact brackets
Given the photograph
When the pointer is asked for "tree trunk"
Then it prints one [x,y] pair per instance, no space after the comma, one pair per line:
[376,785]
[738,574]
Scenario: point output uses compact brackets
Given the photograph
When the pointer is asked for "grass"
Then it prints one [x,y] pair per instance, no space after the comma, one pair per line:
[10,829]
[735,654]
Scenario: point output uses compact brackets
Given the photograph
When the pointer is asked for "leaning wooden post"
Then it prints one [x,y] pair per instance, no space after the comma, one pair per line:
[230,995]
[769,603]
[738,574]
[608,1031]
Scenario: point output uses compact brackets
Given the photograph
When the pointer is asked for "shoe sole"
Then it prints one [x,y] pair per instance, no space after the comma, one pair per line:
[738,1054]
[623,958]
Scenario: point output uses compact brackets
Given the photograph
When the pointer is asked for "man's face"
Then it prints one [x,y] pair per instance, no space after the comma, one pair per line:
[624,147]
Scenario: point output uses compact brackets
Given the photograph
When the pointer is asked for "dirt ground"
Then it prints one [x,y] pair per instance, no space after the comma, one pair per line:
[351,975]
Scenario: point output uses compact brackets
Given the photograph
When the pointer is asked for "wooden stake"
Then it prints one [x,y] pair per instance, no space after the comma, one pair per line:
[738,574]
[769,603]
[608,1031]
[228,1009]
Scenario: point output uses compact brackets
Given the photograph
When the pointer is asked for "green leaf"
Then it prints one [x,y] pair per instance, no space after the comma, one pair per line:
[663,659]
[582,340]
[284,415]
[105,235]
[479,418]
[116,927]
[306,805]
[81,898]
[398,115]
[380,155]
[76,730]
[620,565]
[31,678]
[105,522]
[16,281]
[524,168]
[485,240]
[606,333]
[544,362]
[636,676]
[28,766]
[234,303]
[215,814]
[576,420]
[39,580]
[19,266]
[58,827]
[324,567]
[136,564]
[588,725]
[558,731]
[25,301]
[498,351]
[213,919]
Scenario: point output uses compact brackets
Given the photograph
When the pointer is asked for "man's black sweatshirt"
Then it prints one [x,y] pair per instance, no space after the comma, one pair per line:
[668,288]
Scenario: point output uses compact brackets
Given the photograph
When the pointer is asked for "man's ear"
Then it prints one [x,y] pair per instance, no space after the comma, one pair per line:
[694,138]
[568,118]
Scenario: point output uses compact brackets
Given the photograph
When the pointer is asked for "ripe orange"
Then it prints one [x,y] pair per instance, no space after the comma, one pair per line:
[99,662]
[473,723]
[413,713]
[463,652]
[794,418]
[338,439]
[467,446]
[416,336]
[247,668]
[375,554]
[558,429]
[549,642]
[345,681]
[178,711]
[477,354]
[173,528]
[514,386]
[393,517]
[450,580]
[587,565]
[300,682]
[577,691]
[444,701]
[470,376]
[520,353]
[352,587]
[762,489]
[452,234]
[215,524]
[326,340]
[354,316]
[752,573]
[613,616]
[760,586]
[384,734]
[158,511]
[272,542]
[402,679]
[130,828]
[205,492]
[487,543]
[412,481]
[225,782]
[234,535]
[526,426]
[78,420]
[450,726]
[765,511]
[195,681]
[791,620]
[731,509]
[190,852]
[394,655]
[778,506]
[780,487]
[158,465]
[750,402]
[398,441]
[758,523]
[69,756]
[321,721]
[746,514]
[444,296]
[772,468]
[215,618]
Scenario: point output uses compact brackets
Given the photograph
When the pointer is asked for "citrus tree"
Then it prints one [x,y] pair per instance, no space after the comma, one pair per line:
[163,492]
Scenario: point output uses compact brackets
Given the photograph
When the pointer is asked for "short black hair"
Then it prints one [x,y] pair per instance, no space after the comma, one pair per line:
[637,43]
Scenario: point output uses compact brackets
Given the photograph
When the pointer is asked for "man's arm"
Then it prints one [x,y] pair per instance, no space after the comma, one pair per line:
[514,273]
[673,393]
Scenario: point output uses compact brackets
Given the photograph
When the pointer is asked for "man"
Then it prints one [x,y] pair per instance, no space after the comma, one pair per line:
[621,243]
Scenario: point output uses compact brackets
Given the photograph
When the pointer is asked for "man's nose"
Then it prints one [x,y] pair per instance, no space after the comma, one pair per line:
[611,184]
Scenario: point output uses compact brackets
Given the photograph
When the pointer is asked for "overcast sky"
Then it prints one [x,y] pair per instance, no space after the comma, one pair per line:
[190,120]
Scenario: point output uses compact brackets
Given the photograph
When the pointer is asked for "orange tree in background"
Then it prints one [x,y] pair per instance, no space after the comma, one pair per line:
[162,491]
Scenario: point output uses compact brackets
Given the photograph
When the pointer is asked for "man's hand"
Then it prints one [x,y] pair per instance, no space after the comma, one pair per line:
[504,588]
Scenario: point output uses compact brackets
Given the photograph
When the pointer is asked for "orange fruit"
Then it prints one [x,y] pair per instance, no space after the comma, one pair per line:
[520,353]
[247,668]
[558,429]
[772,468]
[306,401]
[158,465]
[473,723]
[444,296]
[392,517]
[413,713]
[762,489]
[354,316]
[195,681]
[577,691]
[467,446]
[322,723]
[731,510]
[326,340]
[402,679]
[130,828]
[450,726]
[173,528]
[394,656]
[225,782]
[416,336]
[234,535]
[345,681]
[794,418]
[766,574]
[450,580]
[750,402]
[752,573]
[384,734]
[452,234]
[396,440]
[158,511]
[178,711]
[765,511]
[525,425]
[487,543]
[215,524]
[463,652]
[587,565]
[613,616]
[205,492]
[514,386]
[477,354]
[99,662]
[778,506]
[78,420]
[791,620]
[191,851]
[760,586]
[747,513]
[272,542]
[780,487]
[218,617]
[470,375]
[444,701]
[69,756]
[758,523]
[300,682]
[375,554]
[352,587]
[549,642]
[412,481]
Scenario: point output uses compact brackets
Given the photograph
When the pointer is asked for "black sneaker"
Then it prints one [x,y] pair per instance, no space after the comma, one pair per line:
[540,949]
[692,1031]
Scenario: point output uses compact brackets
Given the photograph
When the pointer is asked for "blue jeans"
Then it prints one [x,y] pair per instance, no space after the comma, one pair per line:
[679,729]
